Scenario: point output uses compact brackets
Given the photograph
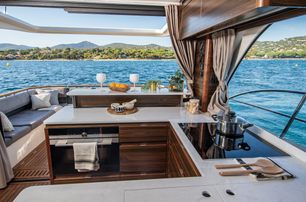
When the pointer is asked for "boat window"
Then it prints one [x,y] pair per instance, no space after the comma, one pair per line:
[276,66]
[56,17]
[37,59]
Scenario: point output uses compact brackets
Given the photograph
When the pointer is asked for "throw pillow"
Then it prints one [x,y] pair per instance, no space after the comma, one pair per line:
[41,100]
[6,123]
[54,95]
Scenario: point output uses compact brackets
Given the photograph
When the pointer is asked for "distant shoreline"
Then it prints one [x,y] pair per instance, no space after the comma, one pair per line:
[274,59]
[132,59]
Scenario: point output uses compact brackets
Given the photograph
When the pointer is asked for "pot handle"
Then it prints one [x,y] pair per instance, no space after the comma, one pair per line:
[215,117]
[245,126]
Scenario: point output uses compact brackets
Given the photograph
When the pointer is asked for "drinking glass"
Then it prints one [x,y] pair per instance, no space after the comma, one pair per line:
[134,78]
[101,77]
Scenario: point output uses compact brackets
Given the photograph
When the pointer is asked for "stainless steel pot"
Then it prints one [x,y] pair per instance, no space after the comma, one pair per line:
[230,143]
[229,124]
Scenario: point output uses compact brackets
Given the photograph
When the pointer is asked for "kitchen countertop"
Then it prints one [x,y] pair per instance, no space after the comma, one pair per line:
[70,115]
[107,91]
[175,189]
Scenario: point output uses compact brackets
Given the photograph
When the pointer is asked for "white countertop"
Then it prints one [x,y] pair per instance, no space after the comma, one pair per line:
[132,91]
[174,189]
[70,115]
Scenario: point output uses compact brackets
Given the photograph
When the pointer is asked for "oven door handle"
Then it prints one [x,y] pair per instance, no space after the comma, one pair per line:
[64,143]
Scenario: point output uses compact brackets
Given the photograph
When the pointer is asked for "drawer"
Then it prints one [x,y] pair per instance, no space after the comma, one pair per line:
[144,133]
[141,157]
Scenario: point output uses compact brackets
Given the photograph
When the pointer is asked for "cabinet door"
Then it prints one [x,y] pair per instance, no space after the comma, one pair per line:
[142,157]
[143,133]
[182,158]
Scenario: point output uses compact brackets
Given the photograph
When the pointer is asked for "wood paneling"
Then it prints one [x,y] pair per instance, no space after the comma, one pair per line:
[198,71]
[143,133]
[143,147]
[210,81]
[180,163]
[203,17]
[142,100]
[286,3]
[143,157]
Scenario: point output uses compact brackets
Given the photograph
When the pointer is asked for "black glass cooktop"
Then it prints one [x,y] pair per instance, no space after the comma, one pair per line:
[206,141]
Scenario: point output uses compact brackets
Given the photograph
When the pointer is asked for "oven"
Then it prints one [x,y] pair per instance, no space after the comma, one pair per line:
[62,155]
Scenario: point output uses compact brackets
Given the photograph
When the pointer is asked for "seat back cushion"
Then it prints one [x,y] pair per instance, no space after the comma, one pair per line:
[14,102]
[54,95]
[41,100]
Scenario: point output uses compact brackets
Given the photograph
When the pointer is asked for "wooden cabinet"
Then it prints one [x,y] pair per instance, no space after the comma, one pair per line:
[143,148]
[143,157]
[179,162]
[143,133]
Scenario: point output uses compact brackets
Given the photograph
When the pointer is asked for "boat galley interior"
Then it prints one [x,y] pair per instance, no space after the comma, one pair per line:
[118,142]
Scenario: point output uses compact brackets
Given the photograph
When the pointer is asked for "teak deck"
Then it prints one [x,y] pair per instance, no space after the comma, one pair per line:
[31,171]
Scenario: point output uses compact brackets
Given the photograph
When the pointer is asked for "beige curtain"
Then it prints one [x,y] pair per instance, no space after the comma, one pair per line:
[185,50]
[6,171]
[223,49]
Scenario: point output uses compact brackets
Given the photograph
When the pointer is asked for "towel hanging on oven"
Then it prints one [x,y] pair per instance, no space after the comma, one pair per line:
[86,156]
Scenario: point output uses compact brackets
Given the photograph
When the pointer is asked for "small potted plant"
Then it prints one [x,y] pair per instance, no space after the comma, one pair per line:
[176,82]
[152,85]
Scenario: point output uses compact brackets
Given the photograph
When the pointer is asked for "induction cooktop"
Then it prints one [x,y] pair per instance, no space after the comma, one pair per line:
[204,141]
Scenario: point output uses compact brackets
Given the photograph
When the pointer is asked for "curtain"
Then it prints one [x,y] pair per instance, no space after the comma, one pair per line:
[223,49]
[6,171]
[185,50]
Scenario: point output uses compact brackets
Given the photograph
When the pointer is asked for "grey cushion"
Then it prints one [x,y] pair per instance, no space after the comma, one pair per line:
[13,102]
[31,118]
[54,95]
[16,134]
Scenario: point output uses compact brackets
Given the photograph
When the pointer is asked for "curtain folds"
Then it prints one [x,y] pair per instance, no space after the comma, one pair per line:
[6,171]
[223,50]
[185,50]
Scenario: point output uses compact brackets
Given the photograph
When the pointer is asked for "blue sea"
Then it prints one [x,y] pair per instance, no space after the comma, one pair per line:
[251,75]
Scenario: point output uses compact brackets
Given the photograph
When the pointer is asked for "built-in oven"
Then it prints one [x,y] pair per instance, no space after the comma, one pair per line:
[62,154]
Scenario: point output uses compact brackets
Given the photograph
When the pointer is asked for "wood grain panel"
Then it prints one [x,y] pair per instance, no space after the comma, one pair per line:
[142,100]
[143,133]
[142,157]
[179,158]
[212,13]
[286,3]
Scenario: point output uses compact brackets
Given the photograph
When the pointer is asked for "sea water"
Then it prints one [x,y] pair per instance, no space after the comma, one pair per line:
[251,75]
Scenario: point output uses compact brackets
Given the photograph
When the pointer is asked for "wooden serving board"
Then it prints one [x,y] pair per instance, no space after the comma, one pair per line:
[126,112]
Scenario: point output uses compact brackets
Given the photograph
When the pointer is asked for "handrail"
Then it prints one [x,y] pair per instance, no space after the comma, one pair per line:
[268,90]
[53,86]
[291,118]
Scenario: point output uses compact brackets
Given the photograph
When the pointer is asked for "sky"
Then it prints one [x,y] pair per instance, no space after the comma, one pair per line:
[60,18]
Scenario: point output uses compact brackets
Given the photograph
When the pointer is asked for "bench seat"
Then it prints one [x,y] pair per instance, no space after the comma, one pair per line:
[16,134]
[32,118]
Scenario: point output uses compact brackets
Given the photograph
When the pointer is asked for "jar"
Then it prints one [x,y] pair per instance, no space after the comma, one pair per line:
[193,106]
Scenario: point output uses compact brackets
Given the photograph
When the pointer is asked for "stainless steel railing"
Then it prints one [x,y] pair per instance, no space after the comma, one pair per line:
[291,117]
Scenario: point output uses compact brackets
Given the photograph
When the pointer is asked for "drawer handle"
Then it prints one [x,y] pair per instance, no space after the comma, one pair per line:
[142,144]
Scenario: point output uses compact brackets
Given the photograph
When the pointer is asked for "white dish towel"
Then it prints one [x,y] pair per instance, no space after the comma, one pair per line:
[86,156]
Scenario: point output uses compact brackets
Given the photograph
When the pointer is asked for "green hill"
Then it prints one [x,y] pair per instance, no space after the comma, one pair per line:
[287,48]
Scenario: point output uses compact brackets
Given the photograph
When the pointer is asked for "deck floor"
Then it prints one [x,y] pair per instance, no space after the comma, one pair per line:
[31,171]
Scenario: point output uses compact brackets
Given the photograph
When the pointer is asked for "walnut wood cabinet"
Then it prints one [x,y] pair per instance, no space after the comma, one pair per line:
[143,148]
[142,151]
[180,163]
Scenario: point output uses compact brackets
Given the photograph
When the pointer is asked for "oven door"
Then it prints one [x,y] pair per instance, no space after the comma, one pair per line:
[62,155]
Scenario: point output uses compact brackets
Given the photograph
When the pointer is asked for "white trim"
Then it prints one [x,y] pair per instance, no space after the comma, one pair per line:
[12,23]
[279,143]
